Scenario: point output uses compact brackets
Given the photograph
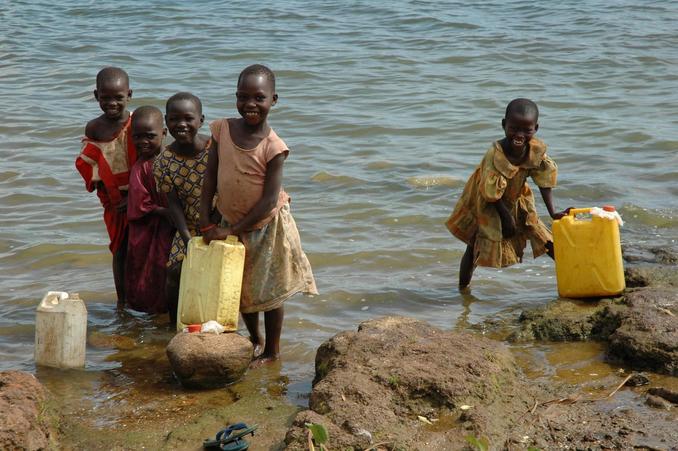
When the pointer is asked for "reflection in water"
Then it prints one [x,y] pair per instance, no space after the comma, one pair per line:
[467,299]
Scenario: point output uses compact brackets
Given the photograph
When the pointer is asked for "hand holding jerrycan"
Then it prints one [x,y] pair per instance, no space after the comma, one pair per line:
[61,330]
[211,280]
[588,253]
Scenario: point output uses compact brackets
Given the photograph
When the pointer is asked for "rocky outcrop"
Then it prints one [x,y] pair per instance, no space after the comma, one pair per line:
[206,360]
[648,334]
[23,422]
[640,327]
[403,382]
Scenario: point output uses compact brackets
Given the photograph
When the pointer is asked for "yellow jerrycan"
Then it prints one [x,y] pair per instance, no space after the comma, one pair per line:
[211,280]
[588,255]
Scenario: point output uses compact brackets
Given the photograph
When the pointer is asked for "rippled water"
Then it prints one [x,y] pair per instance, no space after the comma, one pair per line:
[387,107]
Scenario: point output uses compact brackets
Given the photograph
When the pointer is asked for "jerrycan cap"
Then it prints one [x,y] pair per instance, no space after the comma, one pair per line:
[609,208]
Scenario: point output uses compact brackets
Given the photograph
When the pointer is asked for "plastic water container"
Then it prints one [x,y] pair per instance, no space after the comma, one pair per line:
[588,255]
[61,330]
[211,280]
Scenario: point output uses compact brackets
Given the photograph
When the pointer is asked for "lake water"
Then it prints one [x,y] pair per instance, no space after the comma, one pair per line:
[388,107]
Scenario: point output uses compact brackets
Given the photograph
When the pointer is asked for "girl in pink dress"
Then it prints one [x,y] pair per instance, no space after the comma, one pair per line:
[245,168]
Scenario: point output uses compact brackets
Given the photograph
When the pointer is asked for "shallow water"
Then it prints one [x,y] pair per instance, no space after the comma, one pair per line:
[387,107]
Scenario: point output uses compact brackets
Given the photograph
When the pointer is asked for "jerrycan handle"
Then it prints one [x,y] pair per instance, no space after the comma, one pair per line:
[578,211]
[232,239]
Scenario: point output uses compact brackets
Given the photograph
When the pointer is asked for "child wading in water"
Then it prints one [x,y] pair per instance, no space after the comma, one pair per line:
[105,160]
[245,167]
[150,227]
[496,214]
[179,172]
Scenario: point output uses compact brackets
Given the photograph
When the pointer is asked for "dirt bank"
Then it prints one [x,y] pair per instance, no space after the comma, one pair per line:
[401,384]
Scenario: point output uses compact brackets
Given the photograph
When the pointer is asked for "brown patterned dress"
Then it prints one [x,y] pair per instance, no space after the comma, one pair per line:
[496,178]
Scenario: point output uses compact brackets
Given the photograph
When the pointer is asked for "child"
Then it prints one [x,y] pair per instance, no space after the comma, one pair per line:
[179,172]
[245,167]
[104,162]
[496,215]
[150,228]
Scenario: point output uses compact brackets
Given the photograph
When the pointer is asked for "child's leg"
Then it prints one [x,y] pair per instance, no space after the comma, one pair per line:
[119,258]
[172,291]
[273,320]
[252,322]
[466,267]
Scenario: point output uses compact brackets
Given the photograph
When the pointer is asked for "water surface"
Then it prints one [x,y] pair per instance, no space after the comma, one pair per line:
[387,107]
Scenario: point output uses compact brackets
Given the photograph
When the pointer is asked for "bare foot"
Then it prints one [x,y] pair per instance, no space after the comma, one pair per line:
[258,350]
[264,359]
[258,344]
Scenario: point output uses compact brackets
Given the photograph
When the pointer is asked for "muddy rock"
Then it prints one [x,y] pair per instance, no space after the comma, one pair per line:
[23,423]
[658,402]
[205,360]
[403,383]
[650,267]
[648,334]
[667,394]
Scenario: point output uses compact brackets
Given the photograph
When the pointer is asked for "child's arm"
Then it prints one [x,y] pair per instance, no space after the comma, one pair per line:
[176,213]
[209,188]
[508,225]
[163,212]
[548,201]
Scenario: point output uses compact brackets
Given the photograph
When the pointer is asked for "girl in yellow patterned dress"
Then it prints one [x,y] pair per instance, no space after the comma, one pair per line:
[179,172]
[496,213]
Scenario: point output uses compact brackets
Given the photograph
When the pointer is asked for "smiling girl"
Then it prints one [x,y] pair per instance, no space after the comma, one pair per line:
[496,215]
[245,167]
[179,172]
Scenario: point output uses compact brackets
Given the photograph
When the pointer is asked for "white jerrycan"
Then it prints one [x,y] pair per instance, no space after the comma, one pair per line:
[61,331]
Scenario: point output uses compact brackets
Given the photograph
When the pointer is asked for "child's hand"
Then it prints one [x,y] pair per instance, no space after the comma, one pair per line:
[508,227]
[560,214]
[217,233]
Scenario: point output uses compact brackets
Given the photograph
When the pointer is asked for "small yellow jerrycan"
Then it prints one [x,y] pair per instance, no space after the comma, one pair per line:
[588,255]
[211,280]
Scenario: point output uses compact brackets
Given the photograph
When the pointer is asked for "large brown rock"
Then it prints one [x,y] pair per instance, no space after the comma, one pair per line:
[205,360]
[23,423]
[372,386]
[648,334]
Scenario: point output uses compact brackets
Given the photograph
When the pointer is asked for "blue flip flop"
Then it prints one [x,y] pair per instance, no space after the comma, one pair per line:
[231,438]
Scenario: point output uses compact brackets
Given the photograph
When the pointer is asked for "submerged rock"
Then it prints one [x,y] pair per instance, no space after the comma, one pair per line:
[205,360]
[569,320]
[23,423]
[404,382]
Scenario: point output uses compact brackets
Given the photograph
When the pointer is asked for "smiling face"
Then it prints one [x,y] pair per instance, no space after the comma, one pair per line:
[113,95]
[184,119]
[254,98]
[519,129]
[148,133]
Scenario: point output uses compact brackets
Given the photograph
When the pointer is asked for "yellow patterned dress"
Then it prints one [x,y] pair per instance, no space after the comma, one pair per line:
[184,175]
[474,216]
